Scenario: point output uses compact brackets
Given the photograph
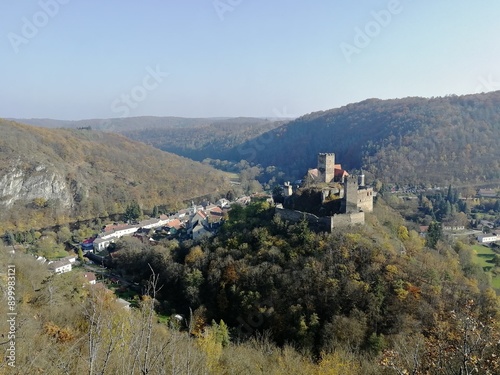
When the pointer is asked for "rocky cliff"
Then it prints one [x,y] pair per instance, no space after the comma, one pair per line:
[50,176]
[42,183]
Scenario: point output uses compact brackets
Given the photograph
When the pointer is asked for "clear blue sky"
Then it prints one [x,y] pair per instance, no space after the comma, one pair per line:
[253,58]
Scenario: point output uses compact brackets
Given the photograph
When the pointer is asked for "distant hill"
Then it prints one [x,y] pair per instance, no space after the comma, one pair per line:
[57,175]
[118,125]
[195,138]
[201,141]
[453,139]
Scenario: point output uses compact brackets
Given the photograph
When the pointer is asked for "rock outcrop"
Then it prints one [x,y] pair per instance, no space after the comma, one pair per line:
[26,185]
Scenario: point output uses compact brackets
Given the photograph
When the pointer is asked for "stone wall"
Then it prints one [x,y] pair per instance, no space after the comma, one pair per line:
[326,223]
[344,220]
[365,199]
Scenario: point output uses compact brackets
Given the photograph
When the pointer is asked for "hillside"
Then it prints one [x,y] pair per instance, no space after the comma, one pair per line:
[445,140]
[212,140]
[263,294]
[121,124]
[195,138]
[50,176]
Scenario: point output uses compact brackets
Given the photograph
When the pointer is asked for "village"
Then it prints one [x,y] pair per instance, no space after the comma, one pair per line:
[193,223]
[328,197]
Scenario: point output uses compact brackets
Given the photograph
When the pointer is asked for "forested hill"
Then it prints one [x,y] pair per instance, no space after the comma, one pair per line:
[452,139]
[57,175]
[201,141]
[195,138]
[118,125]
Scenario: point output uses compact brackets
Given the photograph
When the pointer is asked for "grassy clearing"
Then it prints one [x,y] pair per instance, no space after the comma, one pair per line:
[495,282]
[482,256]
[232,176]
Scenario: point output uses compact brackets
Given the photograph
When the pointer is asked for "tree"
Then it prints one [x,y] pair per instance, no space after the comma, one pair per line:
[496,207]
[434,234]
[278,194]
[9,238]
[133,211]
[80,255]
[63,235]
[230,196]
[155,212]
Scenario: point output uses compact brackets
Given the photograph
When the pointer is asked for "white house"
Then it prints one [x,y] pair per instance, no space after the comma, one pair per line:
[90,277]
[199,231]
[223,202]
[60,266]
[101,243]
[153,223]
[487,238]
[104,239]
[454,227]
[123,304]
[71,258]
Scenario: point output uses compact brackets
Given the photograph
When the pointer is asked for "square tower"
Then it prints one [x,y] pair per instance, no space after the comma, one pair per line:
[326,166]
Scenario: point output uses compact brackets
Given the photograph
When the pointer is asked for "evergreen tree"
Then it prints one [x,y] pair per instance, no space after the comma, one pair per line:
[496,207]
[434,234]
[230,196]
[133,211]
[449,196]
[9,238]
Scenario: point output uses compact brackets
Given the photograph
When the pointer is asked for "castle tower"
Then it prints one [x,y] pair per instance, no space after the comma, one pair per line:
[361,179]
[288,189]
[326,165]
[350,200]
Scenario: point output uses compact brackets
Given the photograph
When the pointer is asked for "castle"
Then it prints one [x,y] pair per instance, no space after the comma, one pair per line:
[333,198]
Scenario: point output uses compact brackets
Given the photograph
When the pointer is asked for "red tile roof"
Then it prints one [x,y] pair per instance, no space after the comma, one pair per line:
[202,214]
[176,223]
[340,173]
[216,211]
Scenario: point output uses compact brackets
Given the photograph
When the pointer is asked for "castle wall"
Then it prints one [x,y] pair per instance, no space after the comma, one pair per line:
[365,199]
[325,223]
[344,220]
[295,216]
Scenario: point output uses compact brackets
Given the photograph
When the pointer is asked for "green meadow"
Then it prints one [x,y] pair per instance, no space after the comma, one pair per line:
[483,256]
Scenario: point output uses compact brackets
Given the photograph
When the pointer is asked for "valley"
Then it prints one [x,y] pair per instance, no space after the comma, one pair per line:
[228,254]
